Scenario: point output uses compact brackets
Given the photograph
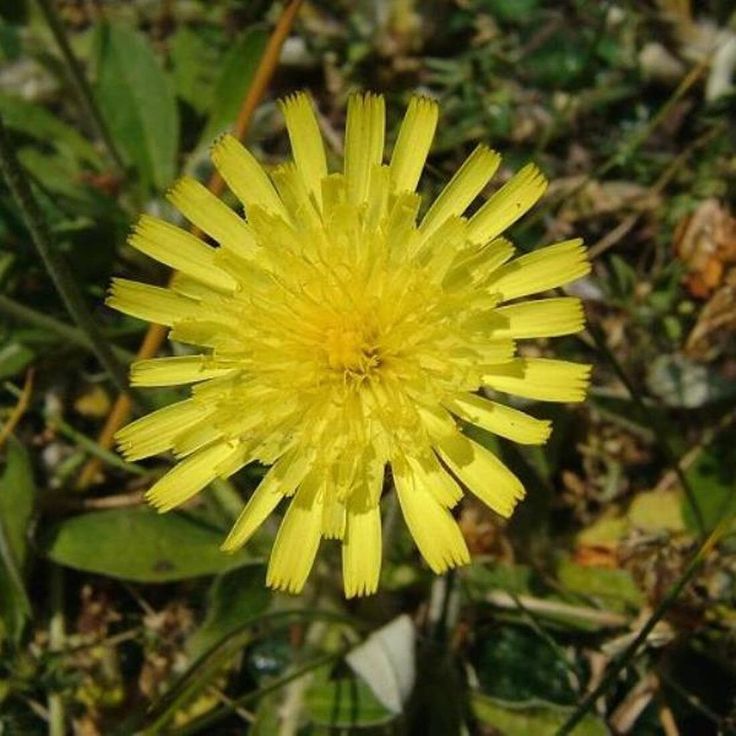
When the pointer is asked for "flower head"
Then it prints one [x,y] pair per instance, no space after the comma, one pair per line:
[343,332]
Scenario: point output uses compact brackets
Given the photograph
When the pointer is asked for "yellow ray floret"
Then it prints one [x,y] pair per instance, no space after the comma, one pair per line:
[342,341]
[541,378]
[500,419]
[245,176]
[541,318]
[412,145]
[507,205]
[306,142]
[546,268]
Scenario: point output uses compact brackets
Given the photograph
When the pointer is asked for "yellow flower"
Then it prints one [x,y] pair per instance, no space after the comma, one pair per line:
[344,333]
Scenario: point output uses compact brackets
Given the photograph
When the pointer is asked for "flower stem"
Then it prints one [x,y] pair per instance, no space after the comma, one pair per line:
[79,82]
[56,266]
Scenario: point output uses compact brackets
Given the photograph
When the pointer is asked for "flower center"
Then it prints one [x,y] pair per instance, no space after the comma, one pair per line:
[350,350]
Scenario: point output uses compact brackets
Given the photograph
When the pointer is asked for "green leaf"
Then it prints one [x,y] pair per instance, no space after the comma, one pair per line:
[344,702]
[235,78]
[533,717]
[17,498]
[37,122]
[483,578]
[605,583]
[194,57]
[14,357]
[139,544]
[234,596]
[138,103]
[713,480]
[516,664]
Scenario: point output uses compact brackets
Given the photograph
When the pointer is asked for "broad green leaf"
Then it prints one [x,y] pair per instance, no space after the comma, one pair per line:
[139,544]
[483,578]
[194,57]
[343,702]
[14,357]
[236,75]
[611,585]
[138,103]
[713,480]
[235,596]
[534,717]
[37,122]
[17,497]
[515,663]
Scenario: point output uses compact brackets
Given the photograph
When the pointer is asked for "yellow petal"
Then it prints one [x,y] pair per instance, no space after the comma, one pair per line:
[189,477]
[508,204]
[176,370]
[156,432]
[501,419]
[541,318]
[303,210]
[364,133]
[150,303]
[546,268]
[180,250]
[245,176]
[435,532]
[333,515]
[430,475]
[482,472]
[462,189]
[541,378]
[361,549]
[211,215]
[280,481]
[306,142]
[413,143]
[298,538]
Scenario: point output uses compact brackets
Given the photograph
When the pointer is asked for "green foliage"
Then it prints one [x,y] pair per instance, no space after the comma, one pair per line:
[17,501]
[233,597]
[714,483]
[236,73]
[138,103]
[138,544]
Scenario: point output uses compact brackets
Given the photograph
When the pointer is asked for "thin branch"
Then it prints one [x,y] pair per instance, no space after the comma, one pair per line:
[56,266]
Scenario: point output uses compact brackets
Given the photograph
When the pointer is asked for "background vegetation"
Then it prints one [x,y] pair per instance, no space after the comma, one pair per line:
[607,602]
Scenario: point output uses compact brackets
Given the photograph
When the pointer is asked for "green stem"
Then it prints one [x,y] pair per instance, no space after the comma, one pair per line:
[632,650]
[79,82]
[61,329]
[107,456]
[56,644]
[55,265]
